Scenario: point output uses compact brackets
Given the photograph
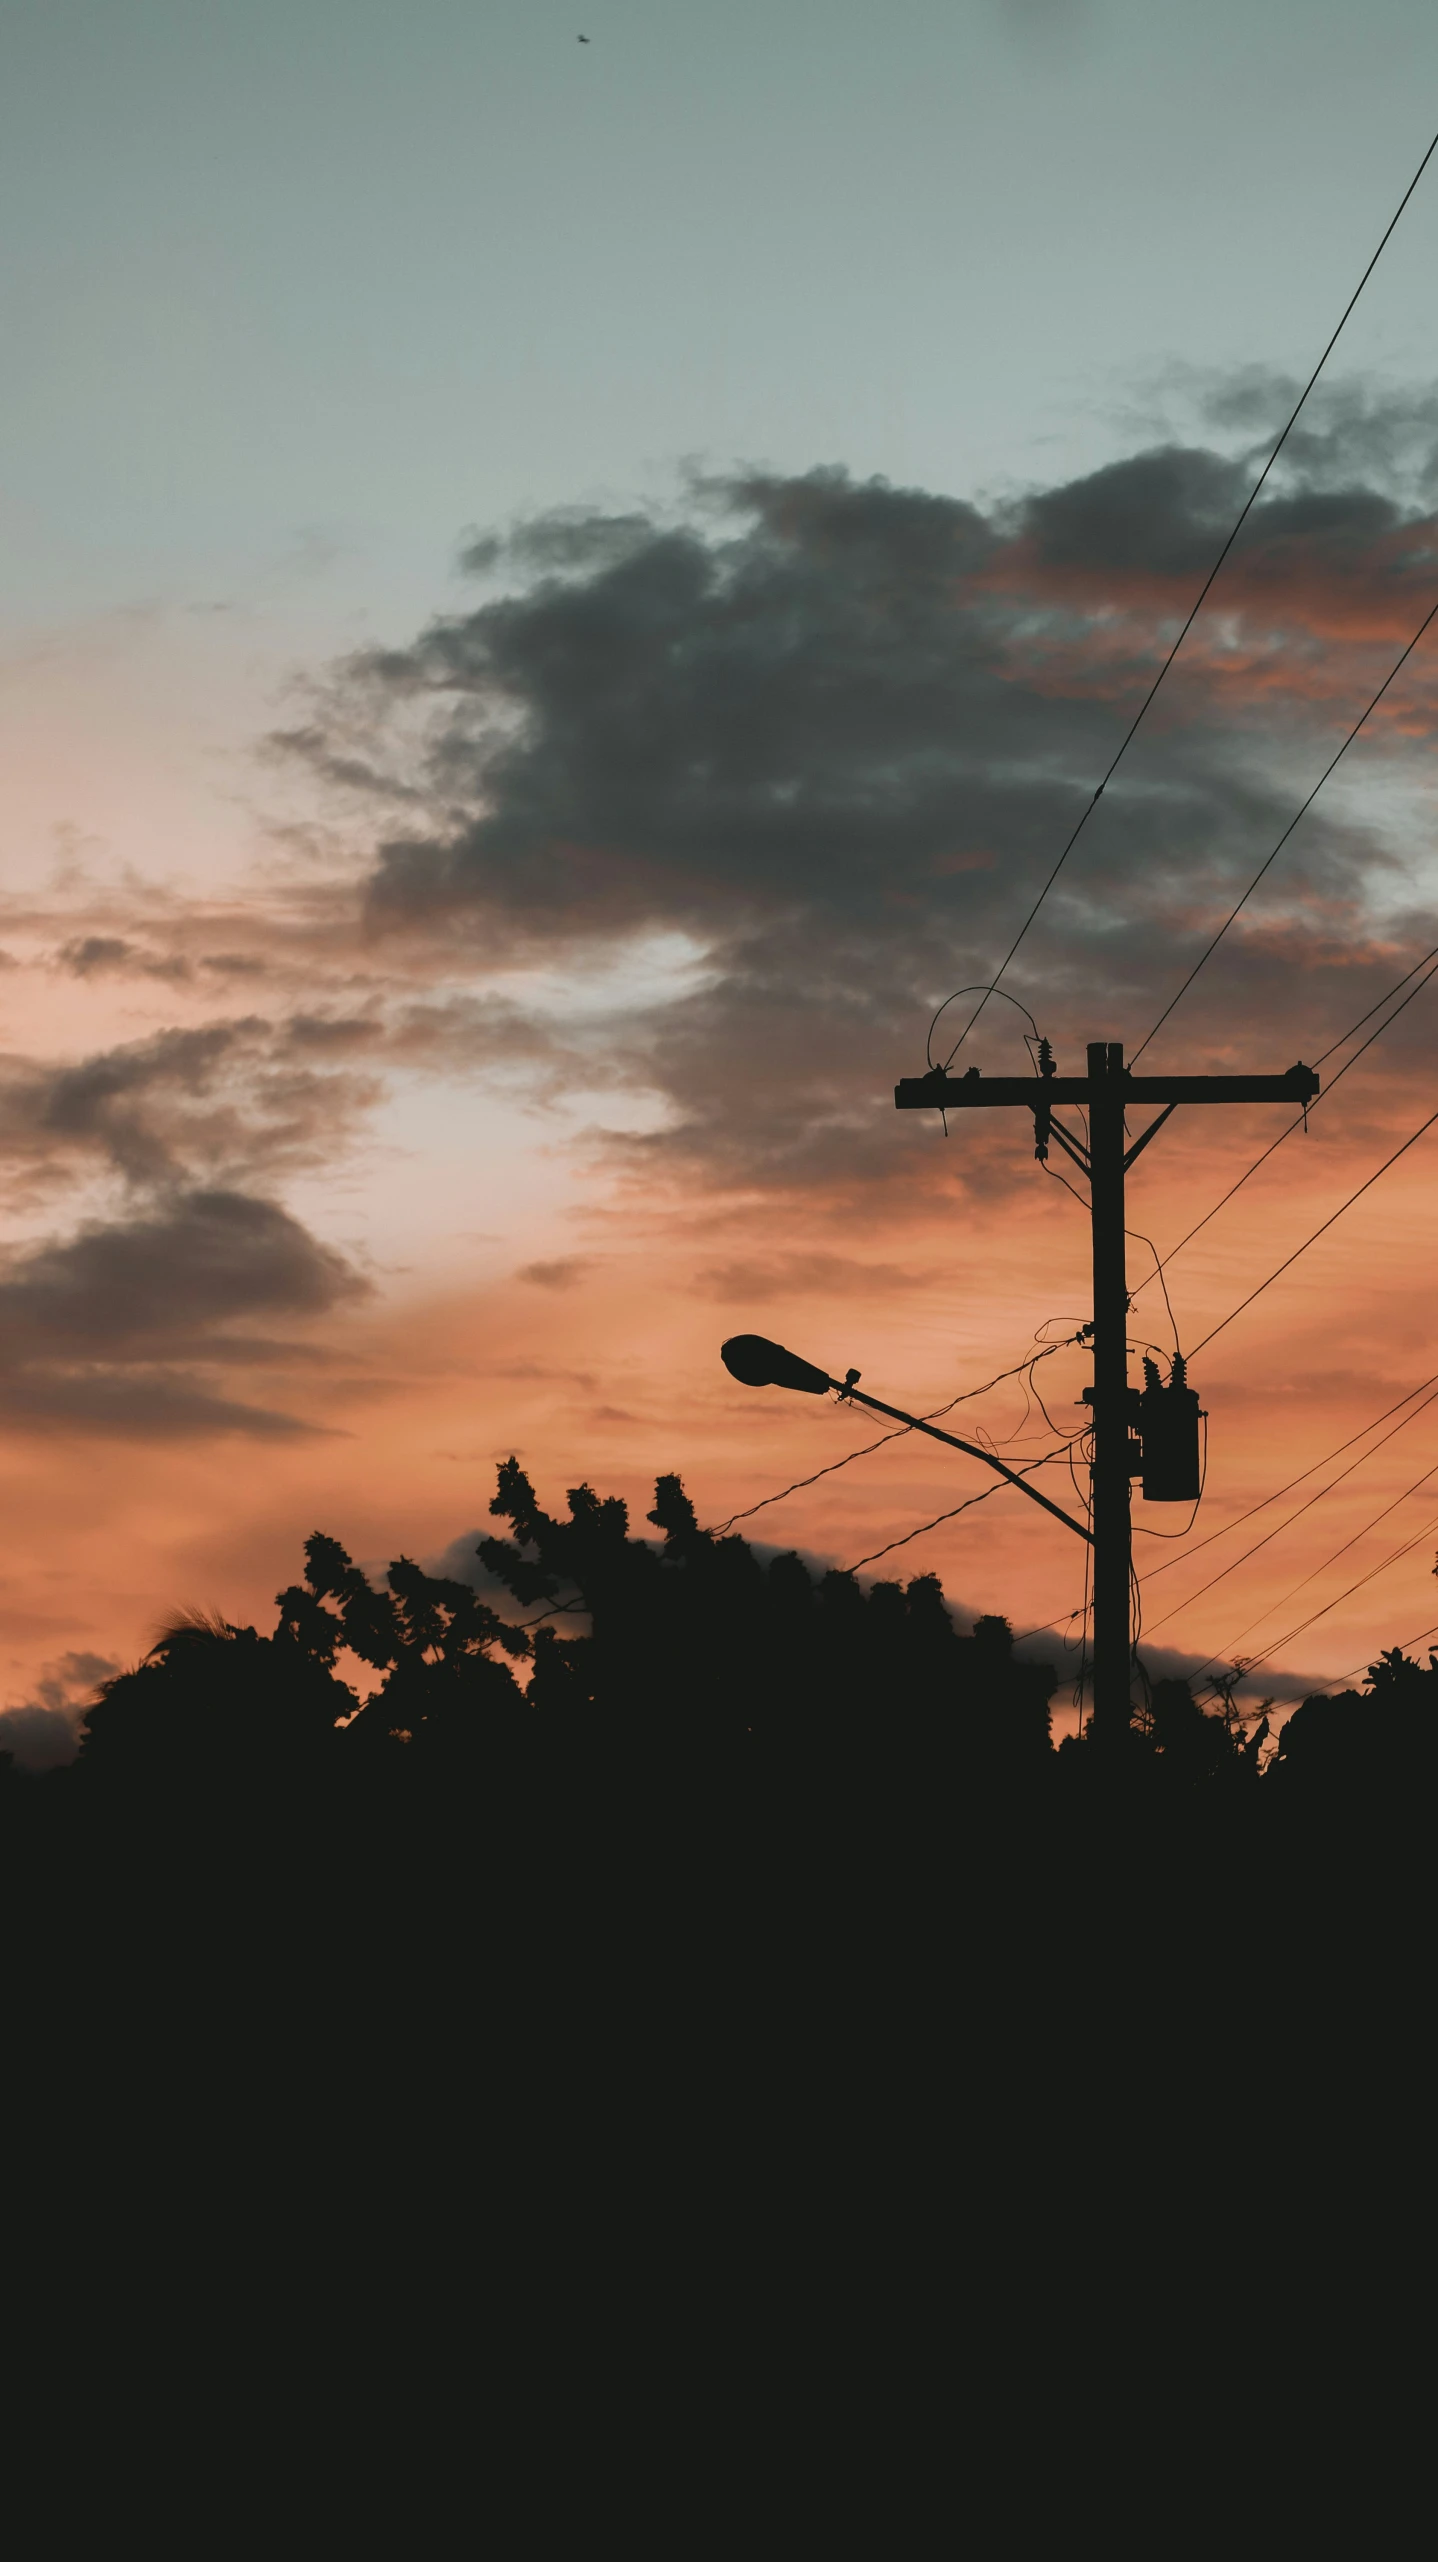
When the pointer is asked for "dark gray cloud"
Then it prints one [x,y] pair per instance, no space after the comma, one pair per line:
[90,956]
[871,707]
[818,742]
[88,953]
[144,1404]
[249,1097]
[121,1327]
[127,1325]
[781,1276]
[561,1272]
[148,1283]
[835,733]
[227,1103]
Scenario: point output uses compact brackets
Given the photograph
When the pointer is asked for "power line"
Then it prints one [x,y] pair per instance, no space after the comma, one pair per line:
[1228,1320]
[1330,1560]
[720,1527]
[1428,964]
[1199,601]
[1375,1009]
[1302,1119]
[1168,1563]
[1315,1615]
[1157,1275]
[1296,1515]
[1401,1649]
[1311,1470]
[967,1505]
[974,989]
[1272,858]
[964,1397]
[1291,1259]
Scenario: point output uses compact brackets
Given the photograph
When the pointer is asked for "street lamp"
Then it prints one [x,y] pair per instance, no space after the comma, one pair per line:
[758,1363]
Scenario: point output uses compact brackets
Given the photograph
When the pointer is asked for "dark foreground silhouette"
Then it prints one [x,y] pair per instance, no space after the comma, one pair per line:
[677,1671]
[731,1876]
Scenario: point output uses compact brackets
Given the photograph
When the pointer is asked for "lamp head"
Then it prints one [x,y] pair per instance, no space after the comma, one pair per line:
[758,1363]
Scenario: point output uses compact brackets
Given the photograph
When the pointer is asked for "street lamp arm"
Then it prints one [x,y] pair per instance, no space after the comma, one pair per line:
[759,1363]
[972,1449]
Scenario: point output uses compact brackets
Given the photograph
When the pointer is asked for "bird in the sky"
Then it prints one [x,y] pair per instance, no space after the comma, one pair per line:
[584,39]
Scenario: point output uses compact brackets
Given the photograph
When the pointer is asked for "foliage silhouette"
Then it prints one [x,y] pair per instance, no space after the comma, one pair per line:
[1349,1742]
[214,1703]
[696,1645]
[676,1658]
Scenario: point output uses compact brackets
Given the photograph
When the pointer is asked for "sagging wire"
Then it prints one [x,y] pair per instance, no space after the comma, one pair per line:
[720,1527]
[1416,1640]
[1333,1557]
[1157,1275]
[1236,911]
[1053,1172]
[966,1506]
[1301,1122]
[1136,1665]
[1082,1440]
[1195,609]
[1347,1036]
[978,987]
[1318,1232]
[1251,1662]
[1081,1678]
[1027,1384]
[1056,1428]
[578,1602]
[1032,1393]
[1137,1234]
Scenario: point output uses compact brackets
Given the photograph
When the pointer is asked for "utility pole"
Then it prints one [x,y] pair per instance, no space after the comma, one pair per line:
[1108,1093]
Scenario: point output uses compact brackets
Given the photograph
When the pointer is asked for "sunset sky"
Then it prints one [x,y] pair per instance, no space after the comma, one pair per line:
[560,598]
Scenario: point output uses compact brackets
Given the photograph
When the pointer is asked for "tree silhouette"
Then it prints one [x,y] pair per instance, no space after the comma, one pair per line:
[215,1704]
[1367,1743]
[434,1640]
[671,1660]
[698,1645]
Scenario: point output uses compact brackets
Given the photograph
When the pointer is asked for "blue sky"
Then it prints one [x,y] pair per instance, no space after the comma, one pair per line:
[295,290]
